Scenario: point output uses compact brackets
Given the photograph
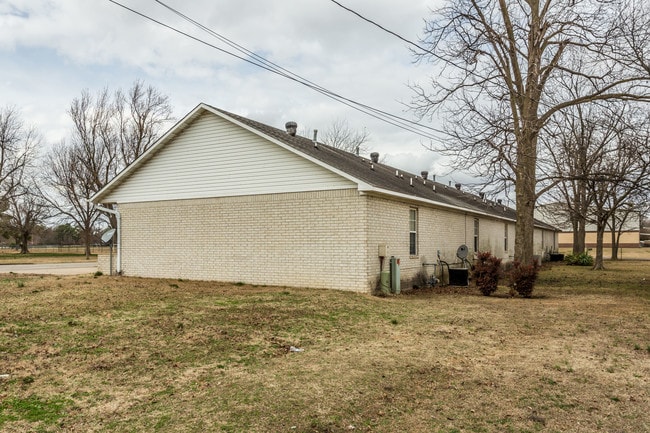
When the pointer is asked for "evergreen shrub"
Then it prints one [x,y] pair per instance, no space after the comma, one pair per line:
[580,259]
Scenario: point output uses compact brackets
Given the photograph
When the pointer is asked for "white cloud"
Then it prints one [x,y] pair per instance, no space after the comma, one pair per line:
[54,49]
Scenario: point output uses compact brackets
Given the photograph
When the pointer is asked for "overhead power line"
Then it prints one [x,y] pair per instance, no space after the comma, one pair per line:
[368,20]
[259,61]
[418,47]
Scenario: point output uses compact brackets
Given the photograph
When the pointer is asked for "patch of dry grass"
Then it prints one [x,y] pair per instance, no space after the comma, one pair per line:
[126,354]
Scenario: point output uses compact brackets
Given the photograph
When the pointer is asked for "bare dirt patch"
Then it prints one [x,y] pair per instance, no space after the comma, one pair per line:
[129,354]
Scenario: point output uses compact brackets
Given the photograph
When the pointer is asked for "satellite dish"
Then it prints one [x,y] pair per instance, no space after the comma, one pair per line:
[108,235]
[462,252]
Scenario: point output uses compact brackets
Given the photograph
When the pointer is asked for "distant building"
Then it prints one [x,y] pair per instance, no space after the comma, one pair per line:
[557,215]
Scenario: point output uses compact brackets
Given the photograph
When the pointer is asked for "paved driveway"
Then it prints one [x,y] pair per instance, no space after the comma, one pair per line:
[51,268]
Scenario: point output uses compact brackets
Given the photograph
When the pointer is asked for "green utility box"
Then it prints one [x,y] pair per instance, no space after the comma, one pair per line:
[394,275]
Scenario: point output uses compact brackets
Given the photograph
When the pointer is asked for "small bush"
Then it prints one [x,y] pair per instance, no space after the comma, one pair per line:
[486,272]
[523,277]
[420,280]
[580,259]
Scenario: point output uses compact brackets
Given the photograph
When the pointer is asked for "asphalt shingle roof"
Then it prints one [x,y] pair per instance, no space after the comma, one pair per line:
[383,176]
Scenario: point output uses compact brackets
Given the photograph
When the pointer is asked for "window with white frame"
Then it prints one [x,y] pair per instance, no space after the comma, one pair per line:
[505,237]
[476,235]
[413,232]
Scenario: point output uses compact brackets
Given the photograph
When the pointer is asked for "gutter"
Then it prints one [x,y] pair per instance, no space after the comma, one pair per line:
[117,242]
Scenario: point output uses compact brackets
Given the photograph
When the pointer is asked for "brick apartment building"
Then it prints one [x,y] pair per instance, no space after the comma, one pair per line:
[222,197]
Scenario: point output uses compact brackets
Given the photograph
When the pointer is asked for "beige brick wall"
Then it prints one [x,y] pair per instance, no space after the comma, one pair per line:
[438,230]
[313,239]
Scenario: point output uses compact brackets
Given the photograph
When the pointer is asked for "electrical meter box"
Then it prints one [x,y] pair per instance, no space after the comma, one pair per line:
[383,250]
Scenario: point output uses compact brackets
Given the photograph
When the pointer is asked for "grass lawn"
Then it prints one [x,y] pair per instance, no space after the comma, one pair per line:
[108,354]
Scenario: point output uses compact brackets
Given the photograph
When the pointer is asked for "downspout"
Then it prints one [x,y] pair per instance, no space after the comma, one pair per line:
[117,242]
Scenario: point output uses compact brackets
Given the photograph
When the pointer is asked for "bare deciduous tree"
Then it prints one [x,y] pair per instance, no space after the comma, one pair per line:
[21,209]
[620,172]
[575,140]
[140,116]
[599,156]
[108,134]
[17,147]
[341,136]
[26,210]
[501,63]
[68,184]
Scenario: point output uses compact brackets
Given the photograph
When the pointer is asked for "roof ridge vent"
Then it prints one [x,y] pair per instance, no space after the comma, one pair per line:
[291,128]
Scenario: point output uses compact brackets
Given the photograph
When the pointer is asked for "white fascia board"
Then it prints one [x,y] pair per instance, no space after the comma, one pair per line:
[179,126]
[389,193]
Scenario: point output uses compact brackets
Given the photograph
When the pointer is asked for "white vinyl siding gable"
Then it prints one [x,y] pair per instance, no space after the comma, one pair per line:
[216,158]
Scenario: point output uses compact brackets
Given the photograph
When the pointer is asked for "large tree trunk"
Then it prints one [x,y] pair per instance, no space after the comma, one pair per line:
[526,196]
[580,245]
[87,238]
[24,239]
[614,245]
[600,236]
[579,235]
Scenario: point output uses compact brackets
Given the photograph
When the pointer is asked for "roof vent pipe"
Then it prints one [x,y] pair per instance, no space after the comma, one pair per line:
[374,157]
[424,174]
[315,137]
[291,128]
[482,195]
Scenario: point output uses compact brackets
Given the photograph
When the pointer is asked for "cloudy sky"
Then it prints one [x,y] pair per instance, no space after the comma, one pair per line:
[52,49]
